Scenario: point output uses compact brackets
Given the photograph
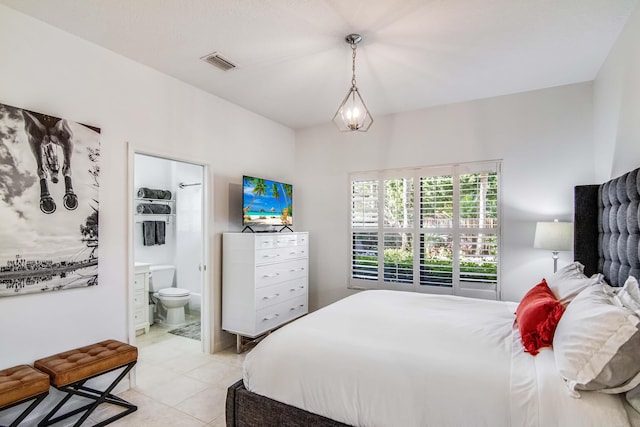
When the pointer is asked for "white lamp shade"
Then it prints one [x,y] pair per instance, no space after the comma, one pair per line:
[554,236]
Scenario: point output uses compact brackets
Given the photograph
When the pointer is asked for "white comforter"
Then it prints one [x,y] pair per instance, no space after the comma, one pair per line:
[385,358]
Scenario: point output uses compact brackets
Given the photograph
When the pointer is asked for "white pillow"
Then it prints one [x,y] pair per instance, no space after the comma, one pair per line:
[628,296]
[570,280]
[597,343]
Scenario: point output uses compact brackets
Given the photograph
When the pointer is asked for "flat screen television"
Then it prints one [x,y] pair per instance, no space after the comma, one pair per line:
[266,202]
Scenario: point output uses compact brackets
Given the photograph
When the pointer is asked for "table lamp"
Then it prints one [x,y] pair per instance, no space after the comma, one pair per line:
[554,236]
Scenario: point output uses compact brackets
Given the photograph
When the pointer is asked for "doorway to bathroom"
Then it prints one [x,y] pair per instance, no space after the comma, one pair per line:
[169,248]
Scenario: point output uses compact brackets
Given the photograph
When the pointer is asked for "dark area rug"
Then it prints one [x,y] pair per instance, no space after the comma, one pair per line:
[192,330]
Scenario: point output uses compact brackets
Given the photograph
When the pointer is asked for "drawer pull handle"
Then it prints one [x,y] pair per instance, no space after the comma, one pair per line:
[268,276]
[295,308]
[295,289]
[293,270]
[271,297]
[273,316]
[296,253]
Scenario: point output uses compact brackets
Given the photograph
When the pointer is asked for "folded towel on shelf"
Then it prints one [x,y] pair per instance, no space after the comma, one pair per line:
[148,233]
[150,193]
[160,232]
[153,208]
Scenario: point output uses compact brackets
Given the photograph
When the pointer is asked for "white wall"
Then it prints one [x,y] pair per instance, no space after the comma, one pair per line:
[50,71]
[617,106]
[544,139]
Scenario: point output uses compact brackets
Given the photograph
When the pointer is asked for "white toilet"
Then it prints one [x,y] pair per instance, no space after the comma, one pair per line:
[172,299]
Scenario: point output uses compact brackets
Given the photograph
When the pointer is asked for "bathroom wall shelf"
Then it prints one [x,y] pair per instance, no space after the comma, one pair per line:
[154,217]
[167,217]
[156,200]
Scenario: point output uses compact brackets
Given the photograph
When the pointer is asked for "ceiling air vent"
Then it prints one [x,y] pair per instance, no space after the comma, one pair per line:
[219,61]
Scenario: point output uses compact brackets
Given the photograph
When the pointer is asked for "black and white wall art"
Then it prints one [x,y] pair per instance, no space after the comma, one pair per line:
[49,171]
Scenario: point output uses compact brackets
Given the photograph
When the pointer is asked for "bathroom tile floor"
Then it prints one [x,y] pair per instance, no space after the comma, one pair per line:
[177,384]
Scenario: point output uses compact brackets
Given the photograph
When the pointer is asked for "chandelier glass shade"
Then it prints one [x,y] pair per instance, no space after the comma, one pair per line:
[352,114]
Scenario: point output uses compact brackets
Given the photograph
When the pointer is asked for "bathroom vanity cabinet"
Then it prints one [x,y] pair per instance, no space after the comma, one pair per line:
[141,297]
[265,281]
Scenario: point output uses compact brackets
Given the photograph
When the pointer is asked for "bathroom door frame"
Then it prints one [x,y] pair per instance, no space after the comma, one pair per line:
[206,314]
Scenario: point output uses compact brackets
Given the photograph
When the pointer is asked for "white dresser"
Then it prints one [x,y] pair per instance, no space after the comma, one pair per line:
[265,280]
[141,297]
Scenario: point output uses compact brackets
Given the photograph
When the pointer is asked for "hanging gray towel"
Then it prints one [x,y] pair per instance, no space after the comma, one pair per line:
[153,208]
[150,193]
[160,232]
[149,233]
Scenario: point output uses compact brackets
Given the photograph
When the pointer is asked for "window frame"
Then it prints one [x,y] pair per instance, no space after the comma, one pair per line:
[458,287]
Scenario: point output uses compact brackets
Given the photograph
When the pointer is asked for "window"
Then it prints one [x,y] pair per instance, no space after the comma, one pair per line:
[432,229]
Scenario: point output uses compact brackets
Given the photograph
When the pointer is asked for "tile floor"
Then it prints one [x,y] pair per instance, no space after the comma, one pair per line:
[177,384]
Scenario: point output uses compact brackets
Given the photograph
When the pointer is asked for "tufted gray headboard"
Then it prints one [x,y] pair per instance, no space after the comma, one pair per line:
[606,231]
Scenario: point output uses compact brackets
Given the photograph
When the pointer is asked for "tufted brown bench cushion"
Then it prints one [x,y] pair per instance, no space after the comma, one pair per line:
[84,362]
[21,382]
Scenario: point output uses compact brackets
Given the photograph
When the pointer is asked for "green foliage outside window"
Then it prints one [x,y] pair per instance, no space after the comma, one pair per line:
[400,259]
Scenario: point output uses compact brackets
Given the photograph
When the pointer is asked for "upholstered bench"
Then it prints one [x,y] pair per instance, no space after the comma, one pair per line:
[21,384]
[69,371]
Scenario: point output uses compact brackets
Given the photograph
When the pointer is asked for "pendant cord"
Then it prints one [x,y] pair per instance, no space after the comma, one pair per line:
[353,65]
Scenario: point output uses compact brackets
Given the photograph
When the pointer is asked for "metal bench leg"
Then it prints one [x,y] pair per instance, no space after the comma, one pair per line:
[98,397]
[36,401]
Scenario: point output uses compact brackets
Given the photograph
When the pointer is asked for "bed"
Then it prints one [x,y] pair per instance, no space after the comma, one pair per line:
[376,359]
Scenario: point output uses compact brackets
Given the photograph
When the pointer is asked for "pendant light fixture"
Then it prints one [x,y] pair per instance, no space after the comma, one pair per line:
[352,115]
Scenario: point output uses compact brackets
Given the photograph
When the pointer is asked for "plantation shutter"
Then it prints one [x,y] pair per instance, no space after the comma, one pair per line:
[432,229]
[364,225]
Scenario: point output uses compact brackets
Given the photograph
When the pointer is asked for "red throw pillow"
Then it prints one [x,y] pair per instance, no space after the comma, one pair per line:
[537,316]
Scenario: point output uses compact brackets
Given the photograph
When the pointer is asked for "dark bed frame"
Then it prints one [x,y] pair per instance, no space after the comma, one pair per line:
[606,239]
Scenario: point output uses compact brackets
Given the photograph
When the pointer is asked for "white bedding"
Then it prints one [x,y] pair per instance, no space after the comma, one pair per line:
[386,358]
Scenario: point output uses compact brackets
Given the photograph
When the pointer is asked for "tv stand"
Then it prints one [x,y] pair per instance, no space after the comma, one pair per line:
[287,227]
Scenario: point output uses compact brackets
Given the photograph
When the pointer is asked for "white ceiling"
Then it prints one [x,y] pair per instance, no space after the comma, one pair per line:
[295,67]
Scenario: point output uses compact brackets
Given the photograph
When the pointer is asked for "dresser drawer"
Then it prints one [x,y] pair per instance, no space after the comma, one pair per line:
[280,241]
[138,281]
[275,294]
[267,256]
[140,316]
[271,274]
[293,252]
[273,316]
[140,299]
[287,240]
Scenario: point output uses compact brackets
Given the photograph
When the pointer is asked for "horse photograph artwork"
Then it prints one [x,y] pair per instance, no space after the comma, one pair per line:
[49,182]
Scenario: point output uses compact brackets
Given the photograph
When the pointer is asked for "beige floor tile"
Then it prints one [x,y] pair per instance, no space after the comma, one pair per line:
[206,405]
[162,417]
[174,391]
[149,374]
[214,372]
[158,353]
[186,362]
[230,377]
[230,356]
[218,422]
